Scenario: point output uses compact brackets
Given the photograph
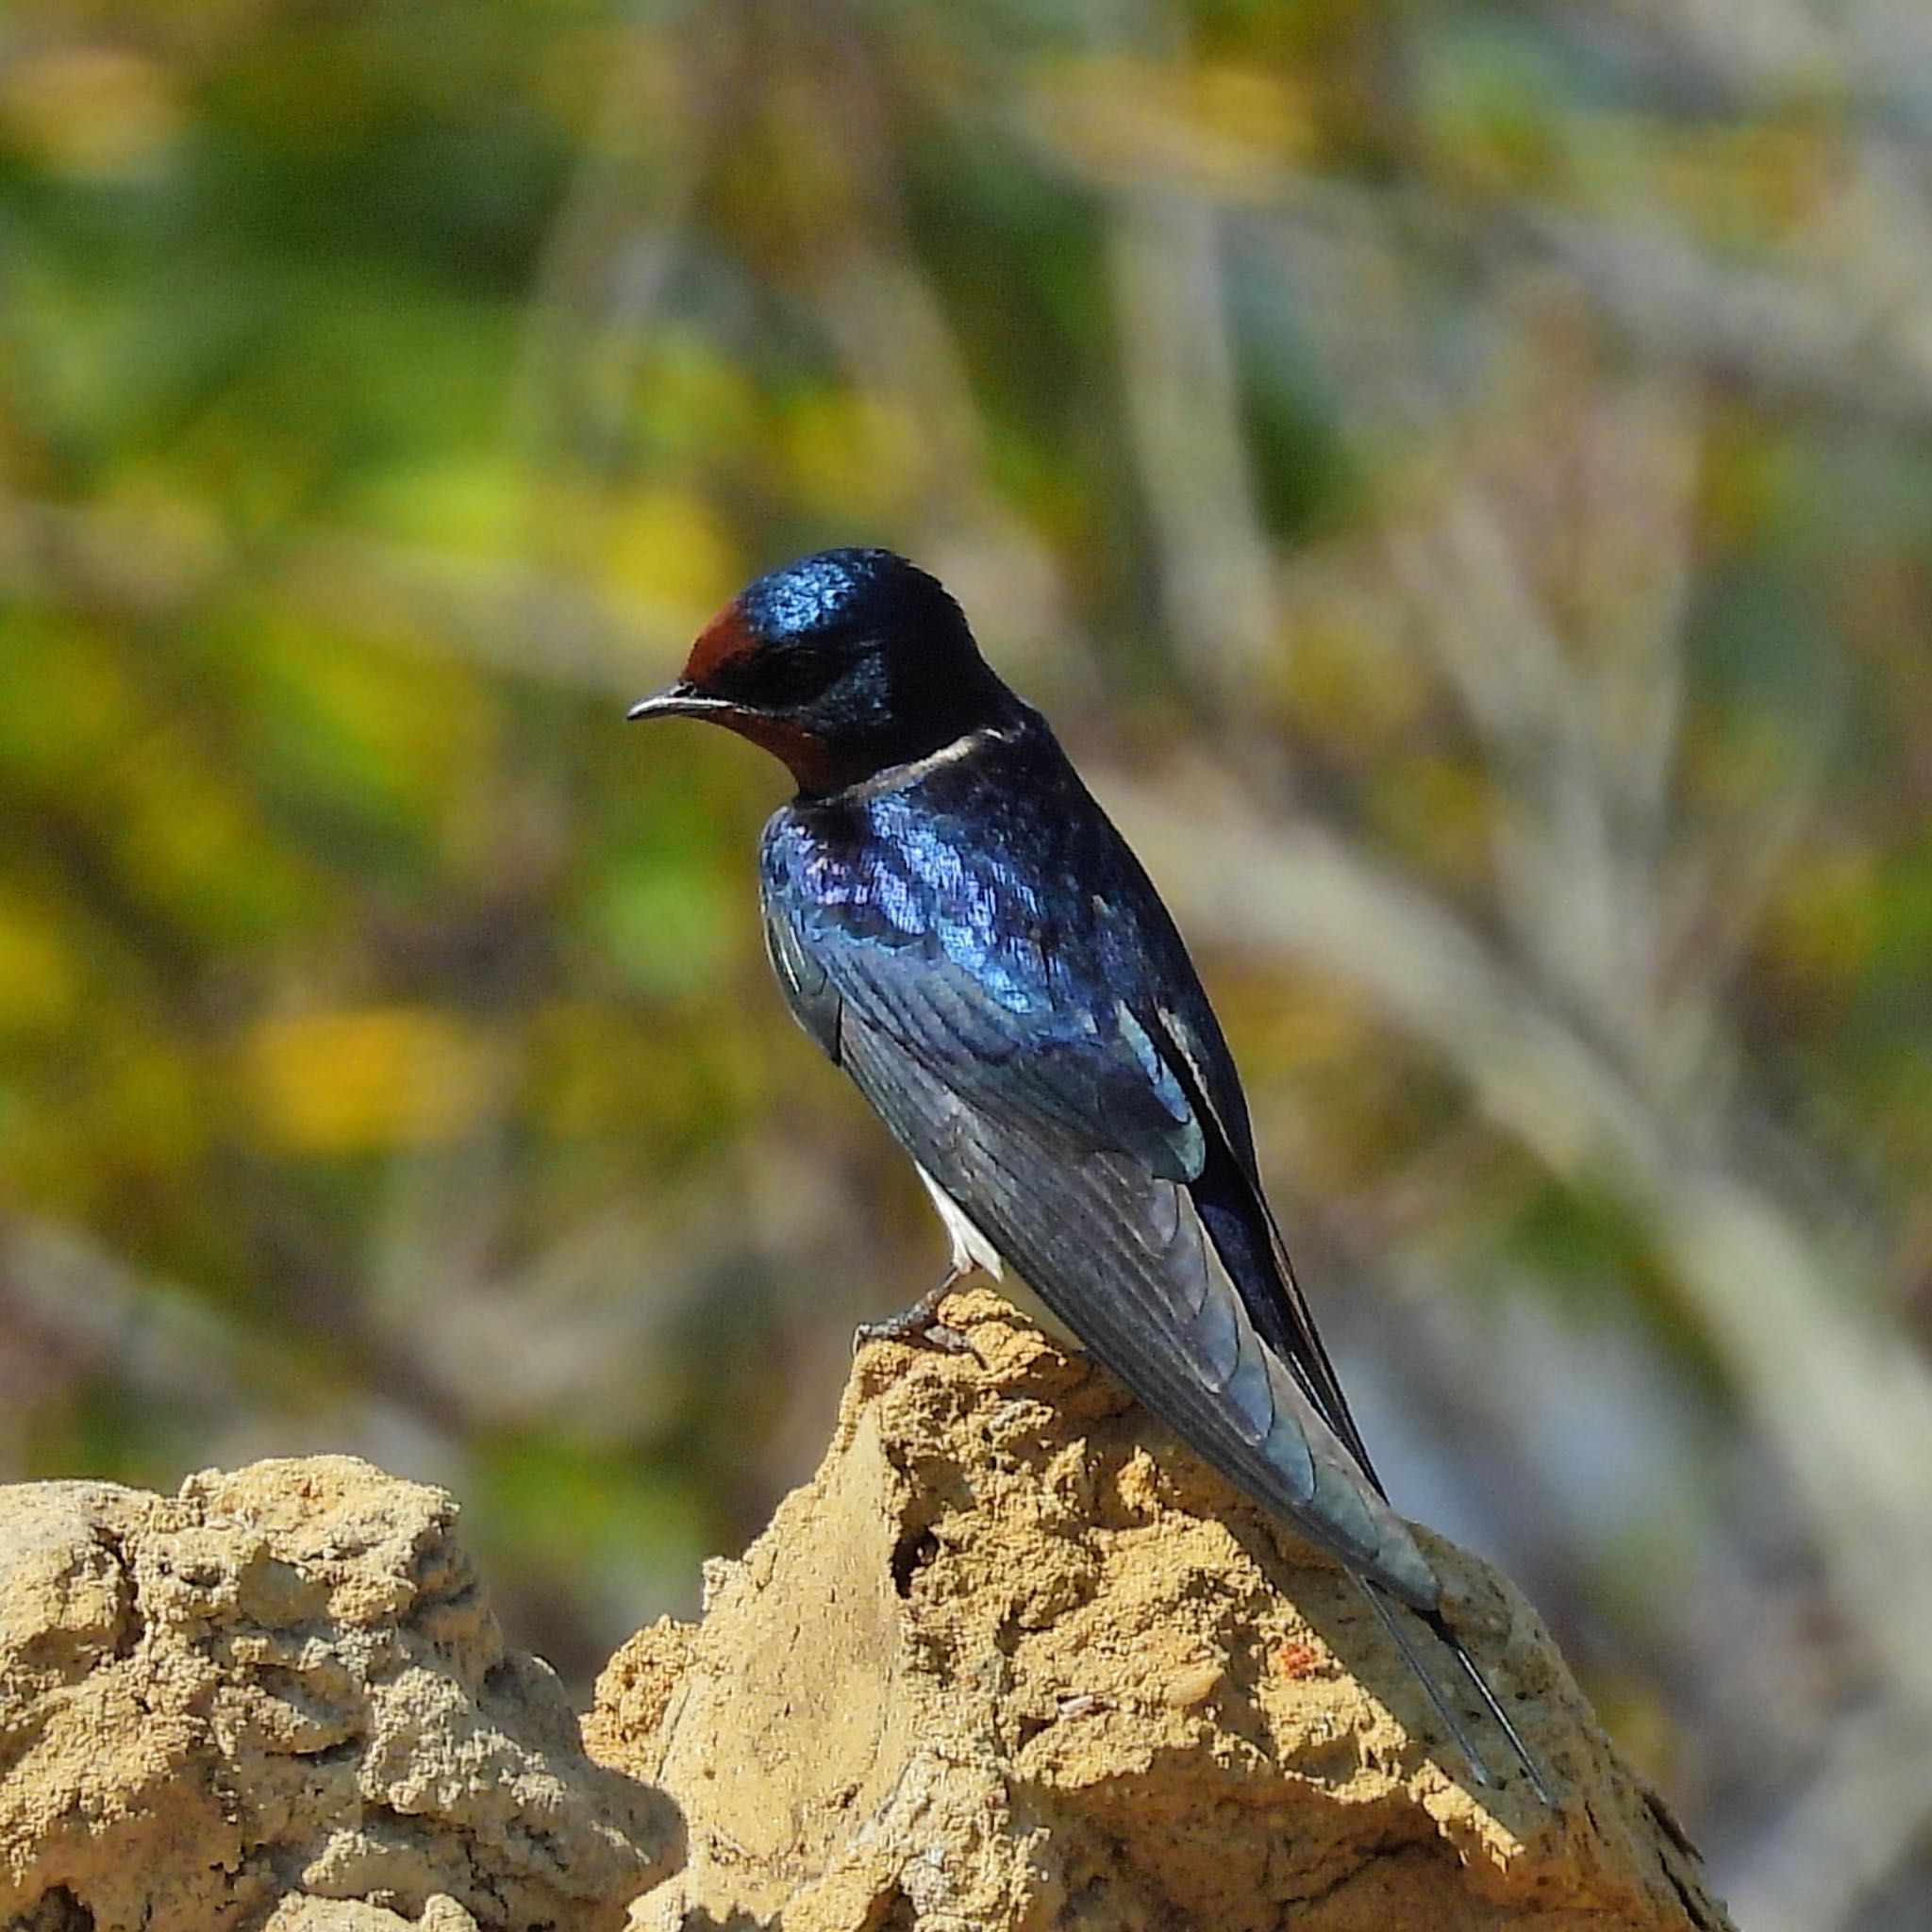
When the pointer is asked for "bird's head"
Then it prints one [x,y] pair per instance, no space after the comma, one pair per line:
[840,664]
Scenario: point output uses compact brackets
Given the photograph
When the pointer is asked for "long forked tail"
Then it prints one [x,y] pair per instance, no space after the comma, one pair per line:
[1440,1628]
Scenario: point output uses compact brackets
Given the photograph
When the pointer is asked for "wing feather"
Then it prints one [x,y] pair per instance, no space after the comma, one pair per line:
[1100,1141]
[1121,1253]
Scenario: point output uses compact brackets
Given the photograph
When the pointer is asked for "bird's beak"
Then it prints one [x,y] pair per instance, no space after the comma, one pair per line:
[681,700]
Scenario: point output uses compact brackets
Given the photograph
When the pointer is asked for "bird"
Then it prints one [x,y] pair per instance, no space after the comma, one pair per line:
[959,927]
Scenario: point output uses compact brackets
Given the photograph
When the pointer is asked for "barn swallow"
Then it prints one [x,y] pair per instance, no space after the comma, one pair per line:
[959,926]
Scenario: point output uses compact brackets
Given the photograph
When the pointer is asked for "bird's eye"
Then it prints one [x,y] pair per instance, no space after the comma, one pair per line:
[794,676]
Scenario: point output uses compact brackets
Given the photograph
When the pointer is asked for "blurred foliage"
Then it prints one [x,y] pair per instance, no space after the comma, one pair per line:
[1498,435]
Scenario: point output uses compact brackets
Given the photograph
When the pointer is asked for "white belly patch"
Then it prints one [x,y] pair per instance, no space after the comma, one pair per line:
[971,1249]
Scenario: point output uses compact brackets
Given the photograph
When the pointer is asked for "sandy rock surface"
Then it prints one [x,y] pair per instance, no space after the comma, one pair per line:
[1014,1662]
[997,1667]
[281,1698]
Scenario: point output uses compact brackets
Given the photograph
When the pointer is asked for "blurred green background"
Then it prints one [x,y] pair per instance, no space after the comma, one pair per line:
[1459,474]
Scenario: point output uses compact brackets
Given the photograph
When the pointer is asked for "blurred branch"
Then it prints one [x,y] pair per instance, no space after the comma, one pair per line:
[609,253]
[1860,1807]
[1841,334]
[898,346]
[1581,524]
[551,626]
[105,1314]
[1766,52]
[1211,557]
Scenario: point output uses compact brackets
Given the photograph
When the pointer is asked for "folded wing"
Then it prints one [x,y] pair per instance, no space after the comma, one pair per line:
[1080,1140]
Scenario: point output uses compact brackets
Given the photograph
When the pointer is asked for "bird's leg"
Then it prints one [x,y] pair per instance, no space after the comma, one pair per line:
[920,1321]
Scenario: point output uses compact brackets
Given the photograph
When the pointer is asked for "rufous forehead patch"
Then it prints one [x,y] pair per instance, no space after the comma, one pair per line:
[727,636]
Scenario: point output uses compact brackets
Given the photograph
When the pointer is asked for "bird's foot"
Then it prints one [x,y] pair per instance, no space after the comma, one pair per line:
[919,1324]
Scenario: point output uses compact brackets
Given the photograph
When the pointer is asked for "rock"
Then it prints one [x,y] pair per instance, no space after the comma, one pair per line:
[282,1697]
[1014,1661]
[303,1912]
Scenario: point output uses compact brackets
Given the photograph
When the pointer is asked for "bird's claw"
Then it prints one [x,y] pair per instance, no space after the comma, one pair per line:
[932,1335]
[919,1324]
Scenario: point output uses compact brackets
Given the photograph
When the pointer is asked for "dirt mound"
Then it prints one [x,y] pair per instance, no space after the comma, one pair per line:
[280,1688]
[998,1666]
[1014,1662]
